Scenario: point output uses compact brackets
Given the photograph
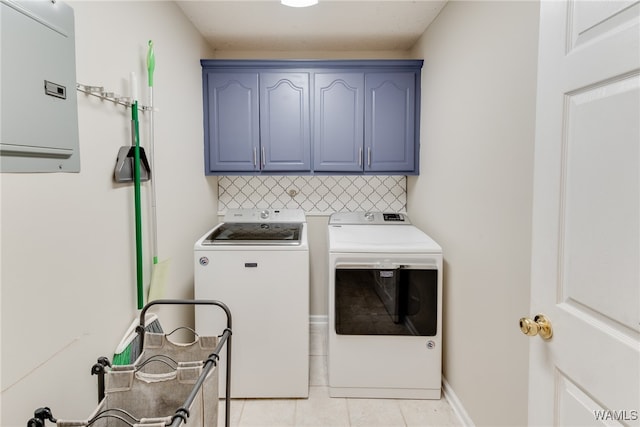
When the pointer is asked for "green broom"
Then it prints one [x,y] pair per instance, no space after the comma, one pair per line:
[128,350]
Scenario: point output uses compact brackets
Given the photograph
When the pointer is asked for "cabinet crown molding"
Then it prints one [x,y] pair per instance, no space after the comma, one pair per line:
[333,64]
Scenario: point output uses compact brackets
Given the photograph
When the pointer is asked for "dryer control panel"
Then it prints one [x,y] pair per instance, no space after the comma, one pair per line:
[380,218]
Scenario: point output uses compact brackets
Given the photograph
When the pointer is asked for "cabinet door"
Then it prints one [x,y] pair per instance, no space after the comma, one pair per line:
[338,122]
[284,121]
[389,135]
[231,122]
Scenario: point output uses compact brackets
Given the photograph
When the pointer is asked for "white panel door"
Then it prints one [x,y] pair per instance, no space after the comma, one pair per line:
[586,233]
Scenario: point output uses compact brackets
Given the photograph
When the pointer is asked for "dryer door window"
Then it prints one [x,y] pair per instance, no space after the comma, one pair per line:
[399,301]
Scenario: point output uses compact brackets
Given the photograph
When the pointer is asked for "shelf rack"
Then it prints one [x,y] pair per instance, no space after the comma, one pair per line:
[100,92]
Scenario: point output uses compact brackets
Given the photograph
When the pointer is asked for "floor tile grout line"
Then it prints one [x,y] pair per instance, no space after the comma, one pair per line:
[405,417]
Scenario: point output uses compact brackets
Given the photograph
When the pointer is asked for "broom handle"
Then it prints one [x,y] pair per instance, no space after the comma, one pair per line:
[138,208]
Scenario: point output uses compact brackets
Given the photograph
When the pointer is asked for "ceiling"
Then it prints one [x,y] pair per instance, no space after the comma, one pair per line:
[331,25]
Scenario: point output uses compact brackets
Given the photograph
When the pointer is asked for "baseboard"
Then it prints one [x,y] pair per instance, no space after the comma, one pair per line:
[318,319]
[456,404]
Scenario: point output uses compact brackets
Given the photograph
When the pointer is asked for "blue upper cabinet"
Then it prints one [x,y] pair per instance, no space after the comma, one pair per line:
[311,116]
[231,122]
[390,122]
[338,122]
[285,134]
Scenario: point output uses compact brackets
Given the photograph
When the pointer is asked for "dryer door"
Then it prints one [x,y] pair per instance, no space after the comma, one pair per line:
[386,300]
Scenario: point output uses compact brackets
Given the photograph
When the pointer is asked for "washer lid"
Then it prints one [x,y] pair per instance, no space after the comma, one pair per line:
[381,238]
[255,234]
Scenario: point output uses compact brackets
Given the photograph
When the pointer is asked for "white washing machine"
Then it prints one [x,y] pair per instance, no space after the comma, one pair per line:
[385,308]
[257,263]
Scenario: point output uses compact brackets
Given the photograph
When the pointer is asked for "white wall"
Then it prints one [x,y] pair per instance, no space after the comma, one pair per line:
[474,194]
[68,270]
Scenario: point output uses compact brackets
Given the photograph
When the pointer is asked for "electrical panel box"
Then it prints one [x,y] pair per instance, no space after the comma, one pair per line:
[38,109]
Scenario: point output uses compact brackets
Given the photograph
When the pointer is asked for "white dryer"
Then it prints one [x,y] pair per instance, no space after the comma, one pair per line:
[257,263]
[385,308]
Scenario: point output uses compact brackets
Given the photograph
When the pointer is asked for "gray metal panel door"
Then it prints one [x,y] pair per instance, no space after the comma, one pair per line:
[233,120]
[338,122]
[285,132]
[389,134]
[39,108]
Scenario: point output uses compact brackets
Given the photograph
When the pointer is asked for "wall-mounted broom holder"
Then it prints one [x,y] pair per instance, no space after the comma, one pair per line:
[100,92]
[124,170]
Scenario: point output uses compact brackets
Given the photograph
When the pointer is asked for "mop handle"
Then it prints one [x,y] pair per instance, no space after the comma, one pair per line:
[151,66]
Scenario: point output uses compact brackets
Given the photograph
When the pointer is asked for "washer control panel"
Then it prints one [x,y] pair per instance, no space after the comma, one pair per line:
[264,215]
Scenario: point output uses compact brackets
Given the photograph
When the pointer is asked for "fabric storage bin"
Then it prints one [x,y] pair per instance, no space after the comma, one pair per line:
[169,384]
[134,398]
[149,392]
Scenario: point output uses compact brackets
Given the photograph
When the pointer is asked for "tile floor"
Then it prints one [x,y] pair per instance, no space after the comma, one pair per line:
[322,411]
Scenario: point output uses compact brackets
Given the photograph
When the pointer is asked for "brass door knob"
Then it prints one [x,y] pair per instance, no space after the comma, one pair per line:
[540,325]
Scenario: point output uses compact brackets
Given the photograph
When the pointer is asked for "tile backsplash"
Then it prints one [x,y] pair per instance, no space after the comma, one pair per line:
[314,194]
